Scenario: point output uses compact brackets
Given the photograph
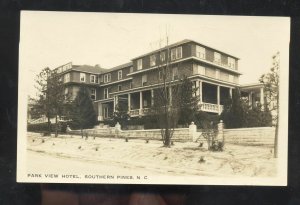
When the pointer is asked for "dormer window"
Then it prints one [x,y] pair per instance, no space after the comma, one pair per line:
[119,74]
[231,63]
[82,77]
[162,57]
[217,57]
[176,53]
[139,64]
[152,60]
[200,52]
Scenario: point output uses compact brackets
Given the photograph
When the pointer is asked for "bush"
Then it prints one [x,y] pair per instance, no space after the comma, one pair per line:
[43,128]
[204,120]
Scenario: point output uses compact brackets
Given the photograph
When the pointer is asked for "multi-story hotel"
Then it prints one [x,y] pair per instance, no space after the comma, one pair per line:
[214,73]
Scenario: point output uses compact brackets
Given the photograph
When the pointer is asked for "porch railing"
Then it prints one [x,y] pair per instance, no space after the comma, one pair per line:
[209,107]
[138,112]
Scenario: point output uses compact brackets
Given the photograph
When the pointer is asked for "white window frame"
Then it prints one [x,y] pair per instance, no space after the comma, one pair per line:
[153,60]
[176,53]
[144,79]
[175,73]
[67,77]
[179,52]
[106,94]
[107,78]
[217,57]
[140,64]
[131,69]
[120,75]
[93,93]
[162,57]
[200,52]
[93,77]
[160,75]
[231,62]
[82,77]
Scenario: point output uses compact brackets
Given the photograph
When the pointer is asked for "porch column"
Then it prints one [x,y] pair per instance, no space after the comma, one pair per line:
[197,86]
[100,115]
[200,91]
[250,98]
[115,104]
[152,97]
[230,92]
[218,99]
[129,102]
[262,98]
[141,102]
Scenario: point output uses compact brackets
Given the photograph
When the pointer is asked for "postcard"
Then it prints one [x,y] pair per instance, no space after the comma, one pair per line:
[115,98]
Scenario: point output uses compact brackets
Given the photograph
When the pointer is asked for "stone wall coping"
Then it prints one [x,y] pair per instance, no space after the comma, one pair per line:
[249,129]
[148,130]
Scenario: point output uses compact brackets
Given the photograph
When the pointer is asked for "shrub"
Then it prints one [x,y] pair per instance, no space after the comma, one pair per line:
[43,128]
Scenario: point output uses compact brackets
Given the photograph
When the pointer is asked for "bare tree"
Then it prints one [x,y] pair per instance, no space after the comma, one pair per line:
[271,89]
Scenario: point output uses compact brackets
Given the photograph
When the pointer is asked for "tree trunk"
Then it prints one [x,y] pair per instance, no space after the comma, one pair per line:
[56,128]
[49,124]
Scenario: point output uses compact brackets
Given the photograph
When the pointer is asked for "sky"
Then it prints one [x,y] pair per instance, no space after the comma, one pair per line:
[51,39]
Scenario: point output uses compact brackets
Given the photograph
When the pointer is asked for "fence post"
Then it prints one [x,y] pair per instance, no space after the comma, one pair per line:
[221,131]
[193,131]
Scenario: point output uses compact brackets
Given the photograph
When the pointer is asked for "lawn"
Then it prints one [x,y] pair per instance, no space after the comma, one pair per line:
[136,155]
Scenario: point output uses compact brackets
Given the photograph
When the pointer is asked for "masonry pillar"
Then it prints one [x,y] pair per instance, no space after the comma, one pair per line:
[218,100]
[100,112]
[221,131]
[193,131]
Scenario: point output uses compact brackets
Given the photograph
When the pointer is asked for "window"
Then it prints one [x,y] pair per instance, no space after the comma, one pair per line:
[66,93]
[145,103]
[92,78]
[105,93]
[175,73]
[162,56]
[231,63]
[82,77]
[105,112]
[93,93]
[152,60]
[176,53]
[217,74]
[97,79]
[160,75]
[144,79]
[130,85]
[217,57]
[67,77]
[200,52]
[131,69]
[198,69]
[139,64]
[230,78]
[119,75]
[119,87]
[107,78]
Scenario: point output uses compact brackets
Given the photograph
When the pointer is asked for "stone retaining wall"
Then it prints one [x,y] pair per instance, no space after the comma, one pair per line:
[250,136]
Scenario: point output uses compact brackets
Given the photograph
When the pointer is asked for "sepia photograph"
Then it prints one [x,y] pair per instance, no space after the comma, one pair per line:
[124,98]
